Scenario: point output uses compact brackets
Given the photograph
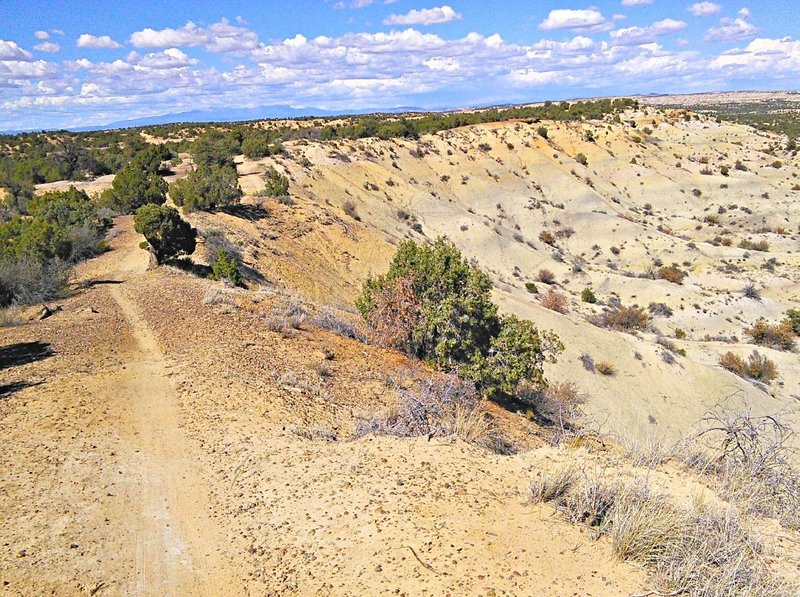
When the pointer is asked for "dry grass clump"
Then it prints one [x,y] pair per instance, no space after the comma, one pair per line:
[605,368]
[548,488]
[780,336]
[289,317]
[692,550]
[327,319]
[623,318]
[757,367]
[444,407]
[555,301]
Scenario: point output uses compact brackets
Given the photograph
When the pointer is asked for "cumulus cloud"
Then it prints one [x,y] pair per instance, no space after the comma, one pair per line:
[41,35]
[87,40]
[573,19]
[220,37]
[641,35]
[9,50]
[636,2]
[732,29]
[777,56]
[705,9]
[425,16]
[48,46]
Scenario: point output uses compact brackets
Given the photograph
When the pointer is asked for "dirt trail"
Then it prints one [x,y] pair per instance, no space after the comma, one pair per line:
[177,542]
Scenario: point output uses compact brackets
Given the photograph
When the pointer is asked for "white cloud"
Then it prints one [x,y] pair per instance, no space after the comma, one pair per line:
[573,19]
[636,2]
[778,56]
[9,50]
[169,58]
[220,37]
[705,9]
[187,36]
[87,40]
[48,46]
[641,35]
[41,35]
[425,16]
[732,29]
[444,64]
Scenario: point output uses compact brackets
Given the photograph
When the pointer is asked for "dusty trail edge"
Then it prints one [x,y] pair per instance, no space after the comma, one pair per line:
[178,543]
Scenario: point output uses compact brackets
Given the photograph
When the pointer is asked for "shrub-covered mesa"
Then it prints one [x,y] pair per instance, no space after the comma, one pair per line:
[434,305]
[167,234]
[59,229]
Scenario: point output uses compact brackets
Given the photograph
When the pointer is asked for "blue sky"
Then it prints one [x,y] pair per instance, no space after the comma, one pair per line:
[70,63]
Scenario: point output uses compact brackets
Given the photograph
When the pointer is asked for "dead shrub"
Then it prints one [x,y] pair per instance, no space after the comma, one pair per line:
[559,406]
[327,319]
[672,273]
[753,460]
[444,407]
[397,317]
[605,368]
[779,336]
[623,318]
[757,367]
[545,276]
[555,301]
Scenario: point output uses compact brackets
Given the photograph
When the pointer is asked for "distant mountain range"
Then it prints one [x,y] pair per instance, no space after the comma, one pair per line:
[239,114]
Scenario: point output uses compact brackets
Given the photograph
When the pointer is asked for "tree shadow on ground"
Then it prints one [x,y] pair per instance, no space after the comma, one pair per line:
[253,213]
[15,386]
[23,353]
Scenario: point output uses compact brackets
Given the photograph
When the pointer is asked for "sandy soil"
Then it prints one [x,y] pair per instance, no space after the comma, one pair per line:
[143,457]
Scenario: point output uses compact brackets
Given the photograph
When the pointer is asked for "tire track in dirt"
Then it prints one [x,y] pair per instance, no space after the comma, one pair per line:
[178,543]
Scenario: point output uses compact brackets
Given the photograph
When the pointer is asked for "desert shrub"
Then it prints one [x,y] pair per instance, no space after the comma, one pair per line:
[36,251]
[555,301]
[166,233]
[623,318]
[780,336]
[759,245]
[547,237]
[680,333]
[435,305]
[531,287]
[542,132]
[289,316]
[133,187]
[226,267]
[545,276]
[276,184]
[587,296]
[448,408]
[697,192]
[724,170]
[671,273]
[750,291]
[582,159]
[753,459]
[329,320]
[559,406]
[671,347]
[659,310]
[793,317]
[740,166]
[757,367]
[605,368]
[216,148]
[349,208]
[207,188]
